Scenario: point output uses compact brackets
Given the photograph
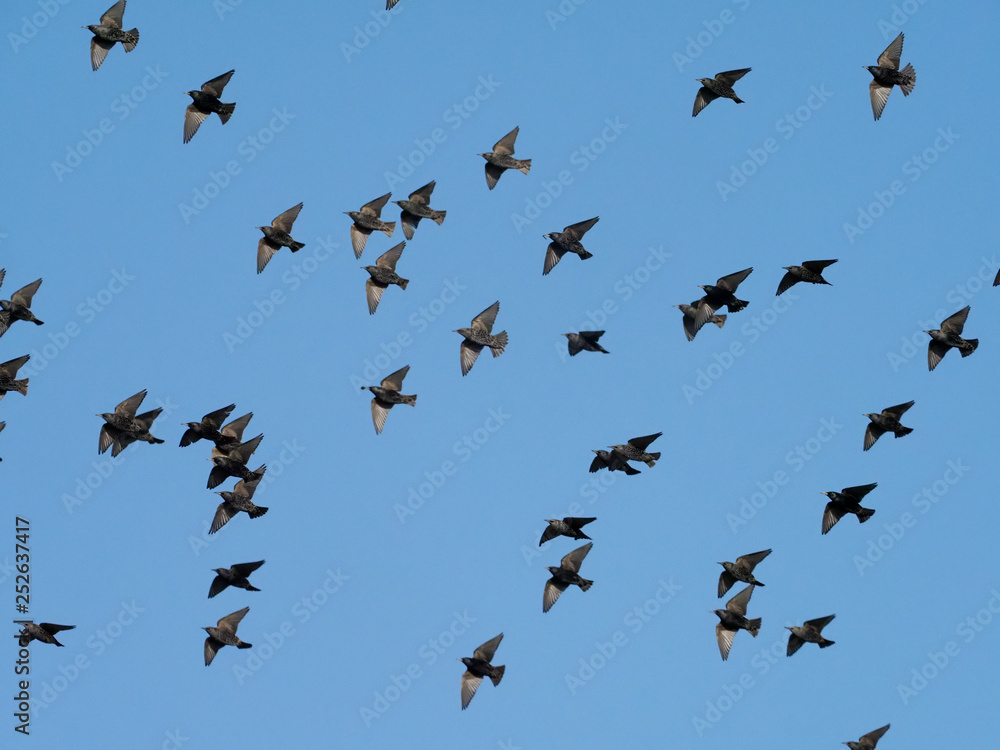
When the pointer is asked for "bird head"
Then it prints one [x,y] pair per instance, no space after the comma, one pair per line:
[703,81]
[553,570]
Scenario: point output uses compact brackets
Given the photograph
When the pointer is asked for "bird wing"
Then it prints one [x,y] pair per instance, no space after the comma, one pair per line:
[284,221]
[243,451]
[599,462]
[505,145]
[820,622]
[725,638]
[485,320]
[875,735]
[592,336]
[817,266]
[553,590]
[704,97]
[553,255]
[549,533]
[726,581]
[410,222]
[146,419]
[872,433]
[486,651]
[193,118]
[245,569]
[223,514]
[232,621]
[106,438]
[730,77]
[573,560]
[215,86]
[51,628]
[576,231]
[733,280]
[374,207]
[423,195]
[389,257]
[794,644]
[738,603]
[879,95]
[935,353]
[215,418]
[641,443]
[359,238]
[787,282]
[470,684]
[751,560]
[953,324]
[890,58]
[25,293]
[493,173]
[212,647]
[860,491]
[11,366]
[395,380]
[235,428]
[833,513]
[113,16]
[469,352]
[99,49]
[218,585]
[128,407]
[578,522]
[898,410]
[379,415]
[373,292]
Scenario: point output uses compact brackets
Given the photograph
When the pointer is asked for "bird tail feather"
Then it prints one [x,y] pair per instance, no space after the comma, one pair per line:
[296,246]
[586,584]
[525,166]
[864,514]
[912,75]
[226,111]
[904,431]
[438,217]
[501,345]
[753,627]
[131,40]
[498,674]
[21,386]
[242,644]
[972,346]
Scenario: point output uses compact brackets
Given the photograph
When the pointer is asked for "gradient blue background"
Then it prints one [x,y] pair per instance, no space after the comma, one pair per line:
[198,328]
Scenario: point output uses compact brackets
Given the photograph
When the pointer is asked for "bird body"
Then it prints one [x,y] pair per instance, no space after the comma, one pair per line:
[382,274]
[635,450]
[368,220]
[240,499]
[809,632]
[232,463]
[887,74]
[123,427]
[868,741]
[277,236]
[417,208]
[205,102]
[566,575]
[480,334]
[109,32]
[18,306]
[732,619]
[848,500]
[234,576]
[719,294]
[584,341]
[207,428]
[811,272]
[42,631]
[8,376]
[612,462]
[568,526]
[477,667]
[500,159]
[387,395]
[741,570]
[887,421]
[567,241]
[949,336]
[712,88]
[224,634]
[691,317]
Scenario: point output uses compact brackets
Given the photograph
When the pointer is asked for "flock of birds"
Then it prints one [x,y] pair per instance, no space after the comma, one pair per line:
[230,454]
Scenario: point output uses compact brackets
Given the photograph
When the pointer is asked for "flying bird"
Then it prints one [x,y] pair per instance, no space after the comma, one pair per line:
[387,395]
[8,376]
[584,341]
[811,271]
[635,450]
[741,570]
[567,241]
[691,316]
[809,632]
[278,236]
[870,740]
[240,499]
[108,32]
[887,421]
[368,220]
[417,208]
[733,618]
[480,334]
[123,427]
[500,159]
[479,667]
[949,336]
[233,463]
[382,274]
[568,526]
[566,575]
[712,88]
[887,74]
[17,307]
[848,500]
[612,462]
[207,428]
[234,576]
[42,631]
[205,103]
[224,634]
[719,294]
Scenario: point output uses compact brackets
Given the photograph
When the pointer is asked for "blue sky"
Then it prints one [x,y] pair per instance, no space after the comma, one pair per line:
[389,556]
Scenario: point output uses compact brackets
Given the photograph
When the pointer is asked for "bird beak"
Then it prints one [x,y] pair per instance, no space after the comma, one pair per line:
[825,493]
[787,628]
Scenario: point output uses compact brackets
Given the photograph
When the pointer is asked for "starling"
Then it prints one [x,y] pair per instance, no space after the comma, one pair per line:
[207,428]
[612,462]
[848,500]
[479,335]
[810,271]
[712,88]
[231,434]
[722,293]
[277,236]
[366,221]
[811,632]
[224,634]
[16,308]
[887,74]
[235,501]
[887,421]
[109,31]
[479,667]
[568,573]
[8,373]
[733,618]
[950,336]
[567,241]
[635,450]
[205,103]
[870,740]
[569,526]
[123,427]
[500,159]
[741,570]
[383,273]
[691,315]
[43,631]
[417,208]
[234,576]
[233,463]
[387,395]
[585,340]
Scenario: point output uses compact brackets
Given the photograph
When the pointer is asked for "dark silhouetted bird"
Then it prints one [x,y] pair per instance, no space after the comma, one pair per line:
[741,570]
[691,316]
[17,307]
[368,220]
[383,273]
[733,618]
[480,334]
[567,574]
[205,103]
[567,241]
[870,740]
[417,208]
[109,31]
[278,236]
[207,428]
[848,500]
[719,294]
[635,450]
[240,499]
[887,74]
[950,336]
[8,376]
[231,435]
[224,634]
[479,667]
[584,341]
[811,271]
[233,463]
[234,576]
[42,631]
[809,632]
[612,462]
[887,421]
[500,159]
[568,526]
[123,427]
[712,88]
[387,395]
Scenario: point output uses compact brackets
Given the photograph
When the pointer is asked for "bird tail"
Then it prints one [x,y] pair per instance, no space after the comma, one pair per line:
[524,166]
[260,472]
[498,674]
[584,255]
[911,74]
[972,345]
[586,584]
[630,471]
[251,587]
[652,461]
[501,338]
[38,322]
[719,320]
[738,304]
[411,400]
[824,644]
[296,246]
[753,627]
[257,512]
[130,40]
[438,217]
[864,514]
[154,440]
[904,431]
[226,111]
[403,283]
[243,644]
[21,386]
[737,99]
[388,227]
